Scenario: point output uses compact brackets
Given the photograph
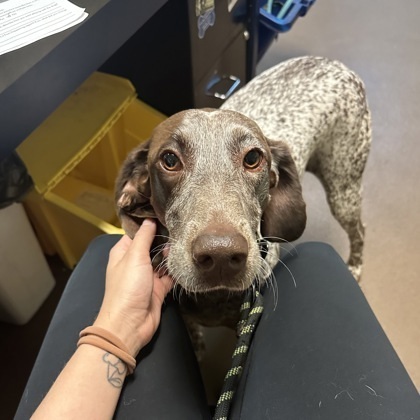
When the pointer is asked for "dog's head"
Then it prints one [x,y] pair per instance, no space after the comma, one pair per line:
[217,186]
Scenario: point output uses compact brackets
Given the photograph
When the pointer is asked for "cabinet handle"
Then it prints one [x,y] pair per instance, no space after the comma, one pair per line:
[228,82]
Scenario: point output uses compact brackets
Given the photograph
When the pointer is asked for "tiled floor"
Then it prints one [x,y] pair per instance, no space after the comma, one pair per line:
[380,40]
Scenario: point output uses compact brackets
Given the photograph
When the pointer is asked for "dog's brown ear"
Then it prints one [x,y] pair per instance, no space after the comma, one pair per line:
[284,218]
[132,190]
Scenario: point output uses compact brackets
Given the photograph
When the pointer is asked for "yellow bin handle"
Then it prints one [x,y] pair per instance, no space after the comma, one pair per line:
[82,214]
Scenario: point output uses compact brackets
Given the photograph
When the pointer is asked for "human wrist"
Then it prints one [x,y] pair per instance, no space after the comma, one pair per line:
[121,328]
[109,342]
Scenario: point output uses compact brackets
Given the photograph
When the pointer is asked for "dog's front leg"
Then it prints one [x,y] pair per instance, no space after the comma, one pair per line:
[196,333]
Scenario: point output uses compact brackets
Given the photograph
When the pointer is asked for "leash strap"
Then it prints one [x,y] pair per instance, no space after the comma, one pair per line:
[250,315]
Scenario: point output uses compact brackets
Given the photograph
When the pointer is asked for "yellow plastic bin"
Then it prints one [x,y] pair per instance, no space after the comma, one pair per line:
[74,158]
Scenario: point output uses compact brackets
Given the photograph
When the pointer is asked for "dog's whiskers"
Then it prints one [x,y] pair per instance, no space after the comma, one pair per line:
[158,249]
[177,290]
[291,274]
[162,267]
[158,252]
[278,239]
[285,266]
[164,237]
[266,276]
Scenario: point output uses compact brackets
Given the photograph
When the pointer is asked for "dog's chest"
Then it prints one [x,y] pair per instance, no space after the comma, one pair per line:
[218,308]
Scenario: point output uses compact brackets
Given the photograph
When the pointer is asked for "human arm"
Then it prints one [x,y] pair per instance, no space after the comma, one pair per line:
[90,384]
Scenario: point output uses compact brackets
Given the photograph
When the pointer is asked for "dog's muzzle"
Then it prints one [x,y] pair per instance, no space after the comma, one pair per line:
[220,255]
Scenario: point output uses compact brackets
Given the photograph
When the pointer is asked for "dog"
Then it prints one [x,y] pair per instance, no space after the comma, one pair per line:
[318,107]
[224,184]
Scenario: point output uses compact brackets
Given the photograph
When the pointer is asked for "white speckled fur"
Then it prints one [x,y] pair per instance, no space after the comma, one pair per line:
[319,108]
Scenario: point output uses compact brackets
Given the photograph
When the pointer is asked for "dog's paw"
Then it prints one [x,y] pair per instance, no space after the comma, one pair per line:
[356,270]
[199,349]
[198,342]
[197,339]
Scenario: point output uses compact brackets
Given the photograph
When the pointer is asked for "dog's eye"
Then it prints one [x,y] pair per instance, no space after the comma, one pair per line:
[171,162]
[252,159]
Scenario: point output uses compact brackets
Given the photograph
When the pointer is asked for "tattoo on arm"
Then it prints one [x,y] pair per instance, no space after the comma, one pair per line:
[116,370]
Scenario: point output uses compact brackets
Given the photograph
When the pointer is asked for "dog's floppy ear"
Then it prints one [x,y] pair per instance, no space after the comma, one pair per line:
[284,218]
[132,190]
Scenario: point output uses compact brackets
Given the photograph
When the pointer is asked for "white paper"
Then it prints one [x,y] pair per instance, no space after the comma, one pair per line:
[23,22]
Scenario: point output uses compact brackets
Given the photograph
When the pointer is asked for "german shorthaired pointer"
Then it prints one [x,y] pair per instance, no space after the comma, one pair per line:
[225,184]
[318,107]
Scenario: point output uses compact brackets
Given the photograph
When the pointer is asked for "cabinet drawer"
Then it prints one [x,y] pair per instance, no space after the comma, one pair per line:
[228,73]
[228,24]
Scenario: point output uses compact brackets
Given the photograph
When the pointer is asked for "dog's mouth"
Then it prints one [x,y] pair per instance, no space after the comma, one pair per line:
[199,286]
[221,283]
[195,281]
[231,272]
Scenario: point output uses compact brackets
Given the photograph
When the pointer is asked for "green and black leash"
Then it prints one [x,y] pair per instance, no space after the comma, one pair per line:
[250,315]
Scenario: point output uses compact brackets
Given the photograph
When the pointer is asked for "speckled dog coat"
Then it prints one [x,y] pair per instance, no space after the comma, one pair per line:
[318,108]
[221,181]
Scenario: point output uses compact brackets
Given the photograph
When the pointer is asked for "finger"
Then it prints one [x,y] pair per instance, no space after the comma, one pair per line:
[162,286]
[166,250]
[119,250]
[168,283]
[143,238]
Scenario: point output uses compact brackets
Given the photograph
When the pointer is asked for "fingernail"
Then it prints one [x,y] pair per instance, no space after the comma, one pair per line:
[148,222]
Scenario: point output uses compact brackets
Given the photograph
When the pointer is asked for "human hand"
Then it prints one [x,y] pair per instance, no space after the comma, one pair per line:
[134,292]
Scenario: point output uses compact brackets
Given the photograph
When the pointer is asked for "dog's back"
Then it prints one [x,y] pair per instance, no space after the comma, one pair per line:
[311,103]
[318,107]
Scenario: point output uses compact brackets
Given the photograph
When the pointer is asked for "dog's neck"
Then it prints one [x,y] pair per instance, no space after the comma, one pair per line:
[214,308]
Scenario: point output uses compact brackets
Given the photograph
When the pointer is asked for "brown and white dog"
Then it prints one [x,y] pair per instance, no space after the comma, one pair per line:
[223,182]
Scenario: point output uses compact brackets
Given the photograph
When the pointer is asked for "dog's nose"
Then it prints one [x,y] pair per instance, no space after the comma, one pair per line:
[220,252]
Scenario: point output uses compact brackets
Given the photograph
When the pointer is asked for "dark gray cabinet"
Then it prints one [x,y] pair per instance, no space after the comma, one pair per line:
[172,68]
